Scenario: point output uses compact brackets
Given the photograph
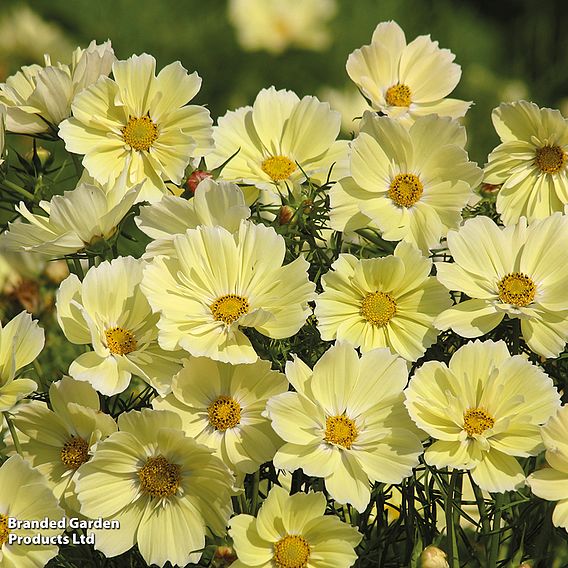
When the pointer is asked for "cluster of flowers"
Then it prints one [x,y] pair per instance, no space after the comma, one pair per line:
[177,317]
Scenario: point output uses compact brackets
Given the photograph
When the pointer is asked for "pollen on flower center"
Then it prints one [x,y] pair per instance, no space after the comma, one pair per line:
[476,421]
[516,289]
[4,530]
[229,308]
[405,190]
[378,308]
[550,159]
[224,413]
[140,133]
[159,477]
[278,167]
[75,452]
[340,430]
[120,341]
[292,551]
[398,95]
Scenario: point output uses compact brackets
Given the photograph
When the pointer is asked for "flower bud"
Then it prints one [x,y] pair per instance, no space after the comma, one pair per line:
[285,214]
[195,178]
[224,556]
[433,557]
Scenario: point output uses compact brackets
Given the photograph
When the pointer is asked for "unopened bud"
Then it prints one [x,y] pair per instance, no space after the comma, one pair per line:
[433,557]
[224,556]
[285,214]
[57,271]
[489,189]
[42,157]
[196,178]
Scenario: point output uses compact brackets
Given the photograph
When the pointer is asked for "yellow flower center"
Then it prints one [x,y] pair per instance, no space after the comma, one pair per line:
[516,289]
[224,413]
[405,190]
[278,167]
[550,159]
[140,133]
[229,308]
[476,421]
[340,430]
[4,530]
[75,452]
[292,551]
[120,341]
[378,308]
[159,477]
[398,95]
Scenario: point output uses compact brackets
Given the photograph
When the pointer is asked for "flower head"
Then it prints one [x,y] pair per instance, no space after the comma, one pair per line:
[109,311]
[21,341]
[277,142]
[25,496]
[531,162]
[221,406]
[273,26]
[217,282]
[406,81]
[215,204]
[517,271]
[293,531]
[142,120]
[335,430]
[411,184]
[483,410]
[551,483]
[39,98]
[382,302]
[163,487]
[75,220]
[59,441]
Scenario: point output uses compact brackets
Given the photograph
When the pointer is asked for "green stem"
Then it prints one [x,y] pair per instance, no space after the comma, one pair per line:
[495,539]
[78,268]
[451,518]
[13,433]
[77,164]
[254,496]
[23,192]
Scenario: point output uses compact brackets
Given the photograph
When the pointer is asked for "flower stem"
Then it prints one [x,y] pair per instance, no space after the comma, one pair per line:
[13,433]
[453,499]
[254,492]
[23,192]
[495,539]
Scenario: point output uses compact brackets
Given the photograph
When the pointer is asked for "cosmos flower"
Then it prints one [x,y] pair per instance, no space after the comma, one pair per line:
[141,120]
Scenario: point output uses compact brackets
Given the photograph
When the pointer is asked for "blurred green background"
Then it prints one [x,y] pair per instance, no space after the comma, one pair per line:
[508,50]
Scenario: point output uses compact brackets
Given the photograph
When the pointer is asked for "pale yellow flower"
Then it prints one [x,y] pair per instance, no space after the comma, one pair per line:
[484,409]
[531,162]
[412,184]
[221,406]
[39,98]
[382,302]
[274,26]
[141,120]
[58,441]
[217,282]
[406,81]
[108,311]
[551,483]
[215,204]
[518,271]
[277,142]
[73,221]
[164,488]
[21,341]
[292,531]
[25,496]
[335,430]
